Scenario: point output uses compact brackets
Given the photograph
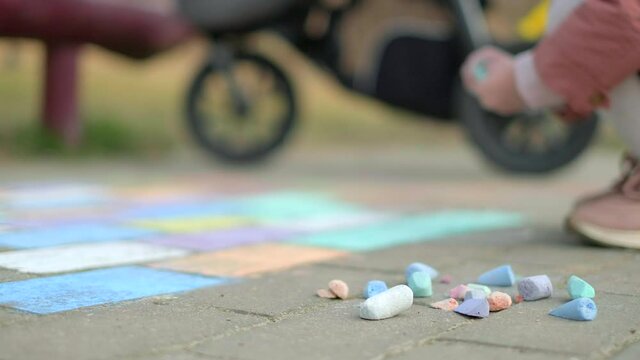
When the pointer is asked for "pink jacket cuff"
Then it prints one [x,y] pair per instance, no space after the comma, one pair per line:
[534,92]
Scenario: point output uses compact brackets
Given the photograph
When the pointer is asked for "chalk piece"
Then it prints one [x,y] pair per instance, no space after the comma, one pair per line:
[500,276]
[326,294]
[499,301]
[374,287]
[340,288]
[518,299]
[474,294]
[583,309]
[446,305]
[535,287]
[446,279]
[387,304]
[579,288]
[482,288]
[458,292]
[481,71]
[433,273]
[420,284]
[478,308]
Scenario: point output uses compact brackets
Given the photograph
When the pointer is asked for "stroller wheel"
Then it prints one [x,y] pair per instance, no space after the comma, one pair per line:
[243,112]
[532,142]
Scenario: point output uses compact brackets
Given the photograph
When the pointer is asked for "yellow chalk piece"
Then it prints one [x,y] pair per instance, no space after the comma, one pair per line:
[193,225]
[250,260]
[532,26]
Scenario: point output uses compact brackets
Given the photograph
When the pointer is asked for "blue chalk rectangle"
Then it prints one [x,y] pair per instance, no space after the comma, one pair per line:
[417,228]
[68,234]
[293,205]
[67,292]
[181,210]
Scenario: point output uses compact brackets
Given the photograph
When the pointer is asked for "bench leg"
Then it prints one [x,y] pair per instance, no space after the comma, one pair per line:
[60,109]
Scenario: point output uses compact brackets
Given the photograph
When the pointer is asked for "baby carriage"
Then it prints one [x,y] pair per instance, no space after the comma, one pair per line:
[241,106]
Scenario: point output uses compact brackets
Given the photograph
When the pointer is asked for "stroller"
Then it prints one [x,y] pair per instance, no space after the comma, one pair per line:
[241,106]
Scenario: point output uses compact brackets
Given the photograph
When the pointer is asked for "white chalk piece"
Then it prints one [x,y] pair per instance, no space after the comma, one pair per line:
[475,294]
[583,309]
[535,287]
[579,288]
[420,267]
[387,304]
[500,276]
[478,308]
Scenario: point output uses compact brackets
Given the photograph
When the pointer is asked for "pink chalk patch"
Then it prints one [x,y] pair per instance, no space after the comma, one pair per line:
[446,279]
[458,292]
[518,299]
[446,305]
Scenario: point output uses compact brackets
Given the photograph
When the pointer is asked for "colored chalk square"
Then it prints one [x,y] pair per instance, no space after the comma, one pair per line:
[420,267]
[331,222]
[69,234]
[180,210]
[485,289]
[287,206]
[535,287]
[223,239]
[250,260]
[500,276]
[55,196]
[85,256]
[194,225]
[374,287]
[71,291]
[582,309]
[412,229]
[579,288]
[420,284]
[478,308]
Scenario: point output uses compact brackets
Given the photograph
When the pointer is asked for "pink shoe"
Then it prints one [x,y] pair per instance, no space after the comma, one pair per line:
[612,218]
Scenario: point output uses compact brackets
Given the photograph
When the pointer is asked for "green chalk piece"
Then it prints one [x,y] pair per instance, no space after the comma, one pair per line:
[482,288]
[481,71]
[420,284]
[579,288]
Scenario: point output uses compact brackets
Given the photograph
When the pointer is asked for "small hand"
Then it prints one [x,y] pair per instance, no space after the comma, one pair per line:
[489,74]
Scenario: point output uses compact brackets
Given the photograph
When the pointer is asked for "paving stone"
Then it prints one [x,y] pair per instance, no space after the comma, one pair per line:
[334,332]
[450,350]
[632,352]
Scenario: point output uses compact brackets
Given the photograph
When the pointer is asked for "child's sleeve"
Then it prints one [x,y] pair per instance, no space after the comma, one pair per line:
[596,48]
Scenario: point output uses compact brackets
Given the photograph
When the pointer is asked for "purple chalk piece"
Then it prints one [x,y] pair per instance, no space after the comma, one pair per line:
[433,273]
[535,287]
[223,239]
[500,276]
[374,287]
[582,309]
[478,308]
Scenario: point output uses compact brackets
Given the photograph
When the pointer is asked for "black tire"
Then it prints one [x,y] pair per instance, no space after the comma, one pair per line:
[489,132]
[230,150]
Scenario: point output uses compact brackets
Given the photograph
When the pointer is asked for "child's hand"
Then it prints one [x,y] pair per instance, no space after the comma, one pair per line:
[489,74]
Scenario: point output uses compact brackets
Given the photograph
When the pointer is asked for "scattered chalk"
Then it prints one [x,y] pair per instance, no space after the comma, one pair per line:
[387,304]
[499,301]
[500,276]
[420,284]
[579,288]
[518,299]
[446,279]
[483,288]
[326,294]
[420,267]
[478,308]
[583,309]
[458,292]
[535,287]
[474,294]
[446,305]
[374,287]
[340,288]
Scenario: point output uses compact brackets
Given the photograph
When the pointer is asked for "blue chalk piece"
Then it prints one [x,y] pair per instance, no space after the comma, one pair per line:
[374,287]
[68,234]
[475,294]
[583,309]
[478,308]
[67,292]
[500,276]
[412,229]
[417,266]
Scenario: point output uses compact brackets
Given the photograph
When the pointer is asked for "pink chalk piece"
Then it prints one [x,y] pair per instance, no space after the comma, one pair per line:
[326,294]
[446,279]
[458,292]
[518,299]
[499,301]
[446,304]
[339,288]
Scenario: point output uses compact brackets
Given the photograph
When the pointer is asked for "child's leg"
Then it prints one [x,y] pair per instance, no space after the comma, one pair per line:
[625,113]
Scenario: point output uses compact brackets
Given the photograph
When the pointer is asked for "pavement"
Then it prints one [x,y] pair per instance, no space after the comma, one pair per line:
[275,314]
